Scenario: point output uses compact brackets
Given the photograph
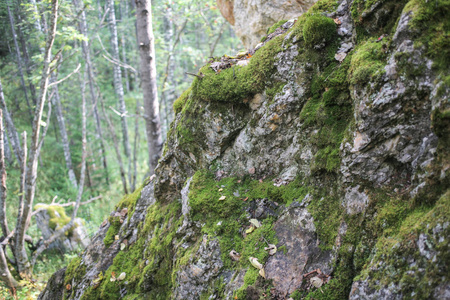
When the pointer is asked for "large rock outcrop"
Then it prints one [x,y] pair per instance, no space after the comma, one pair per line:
[330,141]
[251,18]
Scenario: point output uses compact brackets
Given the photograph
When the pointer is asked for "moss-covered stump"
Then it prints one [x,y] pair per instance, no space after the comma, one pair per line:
[330,142]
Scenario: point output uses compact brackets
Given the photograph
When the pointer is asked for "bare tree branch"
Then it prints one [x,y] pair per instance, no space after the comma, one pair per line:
[61,80]
[115,61]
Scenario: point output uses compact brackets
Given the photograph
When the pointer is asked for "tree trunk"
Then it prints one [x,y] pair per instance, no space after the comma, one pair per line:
[167,92]
[69,225]
[3,219]
[12,132]
[62,130]
[124,59]
[19,59]
[23,263]
[116,149]
[148,80]
[117,73]
[26,58]
[6,277]
[136,142]
[87,57]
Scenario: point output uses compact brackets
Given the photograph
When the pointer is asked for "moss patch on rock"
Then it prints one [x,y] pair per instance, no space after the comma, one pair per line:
[318,30]
[368,61]
[228,219]
[275,26]
[235,84]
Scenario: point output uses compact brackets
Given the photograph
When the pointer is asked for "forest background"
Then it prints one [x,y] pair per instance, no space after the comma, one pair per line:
[186,34]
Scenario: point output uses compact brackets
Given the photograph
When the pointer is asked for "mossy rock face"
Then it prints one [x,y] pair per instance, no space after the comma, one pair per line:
[318,31]
[345,159]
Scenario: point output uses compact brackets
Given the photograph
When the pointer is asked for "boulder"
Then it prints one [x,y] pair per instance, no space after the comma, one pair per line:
[251,18]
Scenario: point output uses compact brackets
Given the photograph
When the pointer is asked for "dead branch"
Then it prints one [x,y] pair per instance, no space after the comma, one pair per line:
[114,61]
[61,80]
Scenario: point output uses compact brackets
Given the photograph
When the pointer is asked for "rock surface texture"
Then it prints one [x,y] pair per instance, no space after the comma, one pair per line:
[251,18]
[316,166]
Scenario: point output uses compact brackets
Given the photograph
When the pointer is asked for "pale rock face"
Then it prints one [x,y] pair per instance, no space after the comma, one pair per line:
[251,18]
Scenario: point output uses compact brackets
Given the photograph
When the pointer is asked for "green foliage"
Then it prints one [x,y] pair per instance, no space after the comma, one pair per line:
[318,29]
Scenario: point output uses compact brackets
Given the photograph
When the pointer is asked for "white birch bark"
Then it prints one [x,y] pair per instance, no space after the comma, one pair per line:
[62,130]
[91,80]
[117,74]
[148,79]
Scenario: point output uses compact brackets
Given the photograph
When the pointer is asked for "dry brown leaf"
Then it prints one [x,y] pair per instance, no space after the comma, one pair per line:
[272,249]
[250,229]
[255,223]
[254,261]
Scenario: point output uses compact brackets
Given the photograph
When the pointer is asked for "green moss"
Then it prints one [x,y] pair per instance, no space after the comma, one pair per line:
[227,219]
[330,110]
[180,102]
[368,61]
[113,230]
[145,263]
[129,201]
[431,28]
[71,270]
[326,211]
[275,26]
[74,271]
[392,253]
[58,217]
[235,84]
[318,29]
[324,6]
[275,88]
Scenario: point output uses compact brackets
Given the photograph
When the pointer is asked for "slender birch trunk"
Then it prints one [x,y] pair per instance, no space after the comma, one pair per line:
[116,149]
[124,60]
[19,59]
[168,77]
[62,130]
[7,149]
[148,79]
[87,58]
[3,216]
[6,277]
[117,73]
[69,225]
[23,263]
[12,132]
[135,146]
